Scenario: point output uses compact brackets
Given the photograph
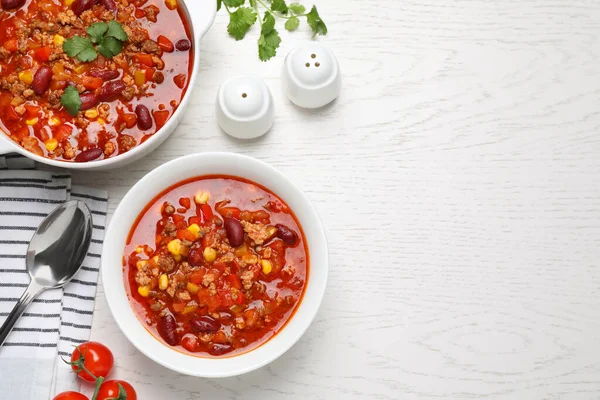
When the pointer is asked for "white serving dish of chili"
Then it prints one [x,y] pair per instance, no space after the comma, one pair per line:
[86,140]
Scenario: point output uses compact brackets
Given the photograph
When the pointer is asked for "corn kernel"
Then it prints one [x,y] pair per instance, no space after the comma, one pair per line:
[26,77]
[141,264]
[174,247]
[54,121]
[139,76]
[31,121]
[139,249]
[195,229]
[210,254]
[144,291]
[267,267]
[92,113]
[171,4]
[51,144]
[163,282]
[101,121]
[177,257]
[201,198]
[58,40]
[192,288]
[80,69]
[68,2]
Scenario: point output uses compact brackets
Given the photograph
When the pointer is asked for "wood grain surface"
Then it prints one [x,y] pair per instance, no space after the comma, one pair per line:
[458,177]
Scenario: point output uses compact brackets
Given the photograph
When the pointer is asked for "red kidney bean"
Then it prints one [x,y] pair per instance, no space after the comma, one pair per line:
[89,155]
[79,6]
[111,91]
[205,324]
[235,232]
[183,45]
[218,349]
[105,75]
[286,234]
[11,4]
[109,5]
[88,100]
[41,80]
[167,328]
[144,119]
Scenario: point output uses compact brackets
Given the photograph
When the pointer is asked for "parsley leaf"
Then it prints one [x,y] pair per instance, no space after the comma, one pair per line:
[81,48]
[240,22]
[110,47]
[292,24]
[252,3]
[269,38]
[116,31]
[96,31]
[297,8]
[234,3]
[279,5]
[71,100]
[316,23]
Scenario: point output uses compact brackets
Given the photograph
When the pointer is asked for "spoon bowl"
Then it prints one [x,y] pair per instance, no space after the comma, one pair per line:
[55,254]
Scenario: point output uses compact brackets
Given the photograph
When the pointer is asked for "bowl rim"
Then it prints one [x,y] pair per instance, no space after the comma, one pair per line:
[198,30]
[295,327]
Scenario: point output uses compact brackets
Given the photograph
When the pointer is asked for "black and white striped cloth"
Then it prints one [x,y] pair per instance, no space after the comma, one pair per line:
[60,319]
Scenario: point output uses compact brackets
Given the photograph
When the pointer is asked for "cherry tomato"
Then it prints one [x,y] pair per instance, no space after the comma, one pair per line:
[70,396]
[97,358]
[110,390]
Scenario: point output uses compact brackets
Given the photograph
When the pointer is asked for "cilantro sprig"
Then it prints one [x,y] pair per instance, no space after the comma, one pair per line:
[71,100]
[108,38]
[242,18]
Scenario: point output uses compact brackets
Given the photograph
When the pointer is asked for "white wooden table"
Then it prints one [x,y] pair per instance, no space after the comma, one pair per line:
[458,177]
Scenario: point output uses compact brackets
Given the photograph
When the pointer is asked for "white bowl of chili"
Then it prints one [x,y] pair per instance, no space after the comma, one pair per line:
[214,334]
[153,88]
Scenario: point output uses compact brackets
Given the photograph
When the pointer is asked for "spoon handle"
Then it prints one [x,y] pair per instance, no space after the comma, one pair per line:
[30,293]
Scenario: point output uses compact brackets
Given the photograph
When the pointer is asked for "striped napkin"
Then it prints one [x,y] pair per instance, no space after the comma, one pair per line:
[57,320]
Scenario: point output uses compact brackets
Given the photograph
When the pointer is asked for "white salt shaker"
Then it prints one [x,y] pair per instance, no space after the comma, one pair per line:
[245,107]
[311,76]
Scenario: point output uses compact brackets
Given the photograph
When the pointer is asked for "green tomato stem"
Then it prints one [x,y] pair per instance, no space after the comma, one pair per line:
[99,381]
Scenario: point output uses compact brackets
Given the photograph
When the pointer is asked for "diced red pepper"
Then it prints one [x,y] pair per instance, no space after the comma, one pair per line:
[178,307]
[234,281]
[42,54]
[197,277]
[160,117]
[165,44]
[149,73]
[184,234]
[11,45]
[91,82]
[185,202]
[178,218]
[144,59]
[31,110]
[10,114]
[63,132]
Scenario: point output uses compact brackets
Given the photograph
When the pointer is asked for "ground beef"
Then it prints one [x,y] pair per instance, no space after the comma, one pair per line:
[151,12]
[257,232]
[169,229]
[150,46]
[166,263]
[126,143]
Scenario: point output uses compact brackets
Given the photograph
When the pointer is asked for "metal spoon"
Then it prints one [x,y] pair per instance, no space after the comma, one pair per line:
[54,255]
